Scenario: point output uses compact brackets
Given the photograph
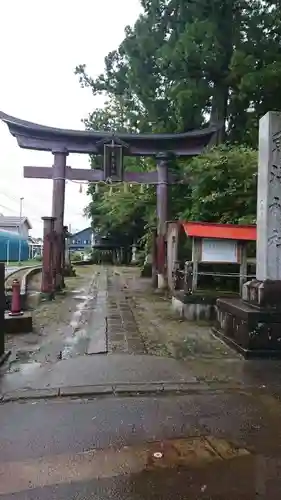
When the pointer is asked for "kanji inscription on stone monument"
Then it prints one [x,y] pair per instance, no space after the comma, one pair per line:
[269,196]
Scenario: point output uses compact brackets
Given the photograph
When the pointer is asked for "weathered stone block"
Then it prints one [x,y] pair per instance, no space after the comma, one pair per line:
[18,324]
[254,332]
[196,306]
[263,293]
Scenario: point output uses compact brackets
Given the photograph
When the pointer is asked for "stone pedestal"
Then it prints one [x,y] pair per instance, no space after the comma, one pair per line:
[254,332]
[253,324]
[263,294]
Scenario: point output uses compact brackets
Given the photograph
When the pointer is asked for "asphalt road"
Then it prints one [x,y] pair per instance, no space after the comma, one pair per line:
[124,448]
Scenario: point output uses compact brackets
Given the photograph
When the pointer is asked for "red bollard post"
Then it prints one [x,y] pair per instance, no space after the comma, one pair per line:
[16,302]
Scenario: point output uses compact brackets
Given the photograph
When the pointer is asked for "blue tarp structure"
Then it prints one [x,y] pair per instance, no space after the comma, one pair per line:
[12,245]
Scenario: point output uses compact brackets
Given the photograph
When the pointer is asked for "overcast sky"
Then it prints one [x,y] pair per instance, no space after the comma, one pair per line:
[41,43]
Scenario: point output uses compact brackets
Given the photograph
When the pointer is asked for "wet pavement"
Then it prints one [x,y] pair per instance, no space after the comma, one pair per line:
[210,446]
[60,327]
[98,371]
[142,406]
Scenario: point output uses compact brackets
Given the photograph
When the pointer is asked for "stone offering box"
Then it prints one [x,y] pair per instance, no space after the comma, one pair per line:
[218,267]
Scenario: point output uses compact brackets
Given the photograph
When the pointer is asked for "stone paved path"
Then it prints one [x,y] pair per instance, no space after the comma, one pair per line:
[123,332]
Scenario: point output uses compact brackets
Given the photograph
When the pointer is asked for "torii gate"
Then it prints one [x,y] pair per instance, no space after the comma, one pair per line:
[113,146]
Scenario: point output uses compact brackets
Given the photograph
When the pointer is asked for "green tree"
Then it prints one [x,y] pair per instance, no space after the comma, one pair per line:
[224,186]
[184,63]
[123,211]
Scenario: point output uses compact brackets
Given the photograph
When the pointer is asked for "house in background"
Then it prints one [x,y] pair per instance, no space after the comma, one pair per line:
[82,240]
[35,247]
[20,225]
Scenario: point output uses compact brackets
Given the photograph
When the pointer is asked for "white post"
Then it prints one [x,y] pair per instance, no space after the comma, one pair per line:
[134,253]
[8,252]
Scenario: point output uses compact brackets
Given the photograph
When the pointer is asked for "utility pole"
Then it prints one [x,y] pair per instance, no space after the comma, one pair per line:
[8,252]
[20,231]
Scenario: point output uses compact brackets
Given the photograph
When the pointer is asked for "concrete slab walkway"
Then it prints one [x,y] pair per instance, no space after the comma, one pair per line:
[100,370]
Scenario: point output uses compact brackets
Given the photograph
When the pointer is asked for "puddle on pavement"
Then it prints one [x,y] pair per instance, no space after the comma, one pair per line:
[82,297]
[83,305]
[23,355]
[29,368]
[23,368]
[71,342]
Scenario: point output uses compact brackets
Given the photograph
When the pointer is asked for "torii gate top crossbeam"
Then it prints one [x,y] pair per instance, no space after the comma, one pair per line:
[42,138]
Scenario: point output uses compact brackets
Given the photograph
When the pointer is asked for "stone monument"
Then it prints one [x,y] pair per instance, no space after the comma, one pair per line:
[253,324]
[265,291]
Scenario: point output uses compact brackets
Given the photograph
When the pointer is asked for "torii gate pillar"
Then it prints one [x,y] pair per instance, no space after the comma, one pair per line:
[59,176]
[162,217]
[48,268]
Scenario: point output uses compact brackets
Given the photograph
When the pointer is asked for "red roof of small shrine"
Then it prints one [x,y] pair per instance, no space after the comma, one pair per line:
[222,231]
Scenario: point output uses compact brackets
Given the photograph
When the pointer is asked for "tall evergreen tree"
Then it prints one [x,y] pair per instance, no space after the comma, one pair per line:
[185,63]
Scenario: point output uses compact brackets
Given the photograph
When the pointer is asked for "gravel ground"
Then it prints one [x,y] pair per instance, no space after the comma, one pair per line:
[163,331]
[160,331]
[59,310]
[165,334]
[51,321]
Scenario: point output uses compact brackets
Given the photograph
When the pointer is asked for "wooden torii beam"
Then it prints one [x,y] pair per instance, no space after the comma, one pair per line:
[62,142]
[60,173]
